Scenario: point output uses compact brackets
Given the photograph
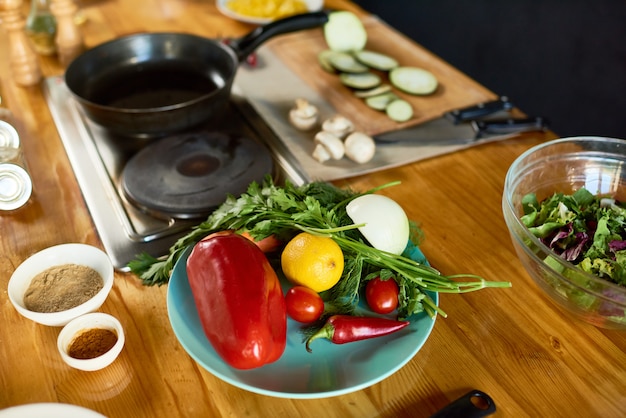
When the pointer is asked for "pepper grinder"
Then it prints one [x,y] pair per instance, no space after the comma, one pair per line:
[23,59]
[69,40]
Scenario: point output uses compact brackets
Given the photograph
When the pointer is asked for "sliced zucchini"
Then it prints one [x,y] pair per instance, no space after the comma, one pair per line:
[413,80]
[381,101]
[344,32]
[363,94]
[360,81]
[376,60]
[399,110]
[324,59]
[346,63]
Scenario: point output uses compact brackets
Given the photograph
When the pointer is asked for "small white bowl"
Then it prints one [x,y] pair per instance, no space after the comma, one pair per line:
[81,254]
[48,410]
[82,324]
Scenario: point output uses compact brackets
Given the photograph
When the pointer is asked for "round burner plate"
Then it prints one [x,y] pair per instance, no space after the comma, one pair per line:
[187,175]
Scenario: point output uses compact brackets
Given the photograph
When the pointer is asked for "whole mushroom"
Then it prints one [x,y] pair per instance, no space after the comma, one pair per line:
[304,115]
[359,147]
[338,125]
[327,146]
[321,154]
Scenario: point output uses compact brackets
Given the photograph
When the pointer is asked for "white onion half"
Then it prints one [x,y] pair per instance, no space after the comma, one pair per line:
[386,224]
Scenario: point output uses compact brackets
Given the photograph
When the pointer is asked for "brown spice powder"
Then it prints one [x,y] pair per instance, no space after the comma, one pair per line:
[62,287]
[92,343]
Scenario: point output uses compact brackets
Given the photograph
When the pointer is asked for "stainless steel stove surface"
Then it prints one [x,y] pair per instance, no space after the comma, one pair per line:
[99,157]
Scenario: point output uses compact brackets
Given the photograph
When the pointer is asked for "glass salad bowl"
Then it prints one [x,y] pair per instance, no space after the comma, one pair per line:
[565,166]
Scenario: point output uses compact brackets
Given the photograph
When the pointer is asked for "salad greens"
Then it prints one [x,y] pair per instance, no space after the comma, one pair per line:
[587,230]
[319,208]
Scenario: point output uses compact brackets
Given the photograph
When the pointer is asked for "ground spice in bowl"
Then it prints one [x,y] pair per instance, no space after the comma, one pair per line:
[92,343]
[62,287]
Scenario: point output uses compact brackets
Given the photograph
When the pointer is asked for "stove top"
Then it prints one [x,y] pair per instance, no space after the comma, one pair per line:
[99,157]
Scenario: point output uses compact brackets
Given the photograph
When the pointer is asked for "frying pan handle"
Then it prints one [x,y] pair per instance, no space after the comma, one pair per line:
[245,45]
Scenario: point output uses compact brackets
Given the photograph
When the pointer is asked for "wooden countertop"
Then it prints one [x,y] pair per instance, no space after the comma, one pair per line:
[515,345]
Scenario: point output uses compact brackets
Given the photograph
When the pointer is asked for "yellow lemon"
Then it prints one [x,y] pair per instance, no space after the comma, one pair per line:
[312,261]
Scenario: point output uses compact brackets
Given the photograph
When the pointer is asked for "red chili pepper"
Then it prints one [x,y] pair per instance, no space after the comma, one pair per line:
[239,300]
[341,329]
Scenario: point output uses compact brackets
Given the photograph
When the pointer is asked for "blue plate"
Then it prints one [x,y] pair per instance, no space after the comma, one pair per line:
[330,370]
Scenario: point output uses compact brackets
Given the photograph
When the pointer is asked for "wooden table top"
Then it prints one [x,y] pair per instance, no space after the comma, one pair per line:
[530,356]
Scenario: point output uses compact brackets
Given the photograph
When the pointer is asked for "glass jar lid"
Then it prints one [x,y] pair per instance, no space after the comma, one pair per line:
[9,142]
[8,135]
[15,186]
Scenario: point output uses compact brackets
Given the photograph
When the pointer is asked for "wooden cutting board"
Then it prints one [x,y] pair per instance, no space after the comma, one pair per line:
[299,52]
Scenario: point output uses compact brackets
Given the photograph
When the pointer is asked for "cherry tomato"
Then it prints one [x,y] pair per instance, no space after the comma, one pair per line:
[303,304]
[382,295]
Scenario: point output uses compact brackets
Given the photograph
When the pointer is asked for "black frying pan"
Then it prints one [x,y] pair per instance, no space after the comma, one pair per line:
[153,84]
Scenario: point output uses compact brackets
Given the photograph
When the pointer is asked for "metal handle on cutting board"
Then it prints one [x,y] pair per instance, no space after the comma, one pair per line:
[509,126]
[479,111]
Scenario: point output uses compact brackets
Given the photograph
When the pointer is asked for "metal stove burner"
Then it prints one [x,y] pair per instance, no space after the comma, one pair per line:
[99,157]
[186,176]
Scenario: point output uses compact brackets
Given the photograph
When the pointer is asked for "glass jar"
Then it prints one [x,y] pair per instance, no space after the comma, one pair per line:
[15,183]
[41,27]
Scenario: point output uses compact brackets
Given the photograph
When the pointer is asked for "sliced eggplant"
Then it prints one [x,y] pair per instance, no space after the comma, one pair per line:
[344,32]
[324,60]
[346,63]
[375,60]
[360,81]
[363,94]
[413,80]
[399,110]
[381,101]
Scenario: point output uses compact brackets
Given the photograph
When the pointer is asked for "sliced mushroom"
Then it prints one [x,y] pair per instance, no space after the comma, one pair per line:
[359,147]
[304,115]
[332,143]
[338,125]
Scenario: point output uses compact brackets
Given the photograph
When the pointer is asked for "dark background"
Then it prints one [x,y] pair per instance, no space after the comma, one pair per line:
[561,59]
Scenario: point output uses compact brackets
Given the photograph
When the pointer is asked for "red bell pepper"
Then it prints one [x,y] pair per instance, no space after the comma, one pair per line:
[239,300]
[342,329]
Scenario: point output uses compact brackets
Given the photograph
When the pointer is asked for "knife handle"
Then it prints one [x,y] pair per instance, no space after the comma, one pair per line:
[474,404]
[509,126]
[479,111]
